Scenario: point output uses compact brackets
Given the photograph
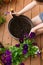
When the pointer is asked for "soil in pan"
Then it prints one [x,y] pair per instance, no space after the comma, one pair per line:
[19,26]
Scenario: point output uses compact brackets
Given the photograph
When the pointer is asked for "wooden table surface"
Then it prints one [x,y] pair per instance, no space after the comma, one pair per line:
[5,36]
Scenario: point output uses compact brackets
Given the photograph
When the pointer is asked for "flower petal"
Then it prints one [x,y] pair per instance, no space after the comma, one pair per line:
[17,45]
[26,35]
[25,46]
[32,35]
[21,39]
[25,51]
[22,64]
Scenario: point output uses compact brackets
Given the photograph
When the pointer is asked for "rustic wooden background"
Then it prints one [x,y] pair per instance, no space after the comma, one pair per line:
[6,38]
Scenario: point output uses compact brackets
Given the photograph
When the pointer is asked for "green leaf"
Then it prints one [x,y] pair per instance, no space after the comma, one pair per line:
[2,50]
[13,49]
[27,55]
[2,19]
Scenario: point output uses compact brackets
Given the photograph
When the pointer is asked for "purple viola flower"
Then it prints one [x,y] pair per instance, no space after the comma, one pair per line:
[25,46]
[26,35]
[25,51]
[32,35]
[8,52]
[6,13]
[8,63]
[6,57]
[21,63]
[21,39]
[38,53]
[17,45]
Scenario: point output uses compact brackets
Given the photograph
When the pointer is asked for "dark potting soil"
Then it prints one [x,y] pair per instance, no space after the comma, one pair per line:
[39,0]
[19,26]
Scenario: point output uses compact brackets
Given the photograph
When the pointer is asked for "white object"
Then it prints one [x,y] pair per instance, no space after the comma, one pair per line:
[28,7]
[38,51]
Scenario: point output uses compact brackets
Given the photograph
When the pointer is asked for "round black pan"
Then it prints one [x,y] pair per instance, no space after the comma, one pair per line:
[19,25]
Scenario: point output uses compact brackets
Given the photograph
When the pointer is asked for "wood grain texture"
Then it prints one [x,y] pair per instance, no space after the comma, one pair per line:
[6,35]
[41,10]
[8,40]
[36,61]
[2,27]
[28,14]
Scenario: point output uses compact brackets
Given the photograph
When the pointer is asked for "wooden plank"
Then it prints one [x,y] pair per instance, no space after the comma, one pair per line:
[2,10]
[6,35]
[28,14]
[35,11]
[1,27]
[36,61]
[19,5]
[41,10]
[1,32]
[38,41]
[27,61]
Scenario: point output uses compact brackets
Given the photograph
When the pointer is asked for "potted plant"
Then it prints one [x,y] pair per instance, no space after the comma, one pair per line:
[15,55]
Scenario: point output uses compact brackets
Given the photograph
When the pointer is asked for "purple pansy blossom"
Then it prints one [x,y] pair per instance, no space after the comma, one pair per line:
[6,13]
[17,45]
[8,52]
[32,35]
[21,39]
[25,51]
[21,63]
[25,46]
[26,35]
[6,57]
[38,53]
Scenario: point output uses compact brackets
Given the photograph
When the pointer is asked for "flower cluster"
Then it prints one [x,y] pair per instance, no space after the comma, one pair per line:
[25,48]
[6,58]
[15,55]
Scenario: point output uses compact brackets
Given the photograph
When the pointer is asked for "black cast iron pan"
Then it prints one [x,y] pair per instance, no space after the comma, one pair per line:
[19,25]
